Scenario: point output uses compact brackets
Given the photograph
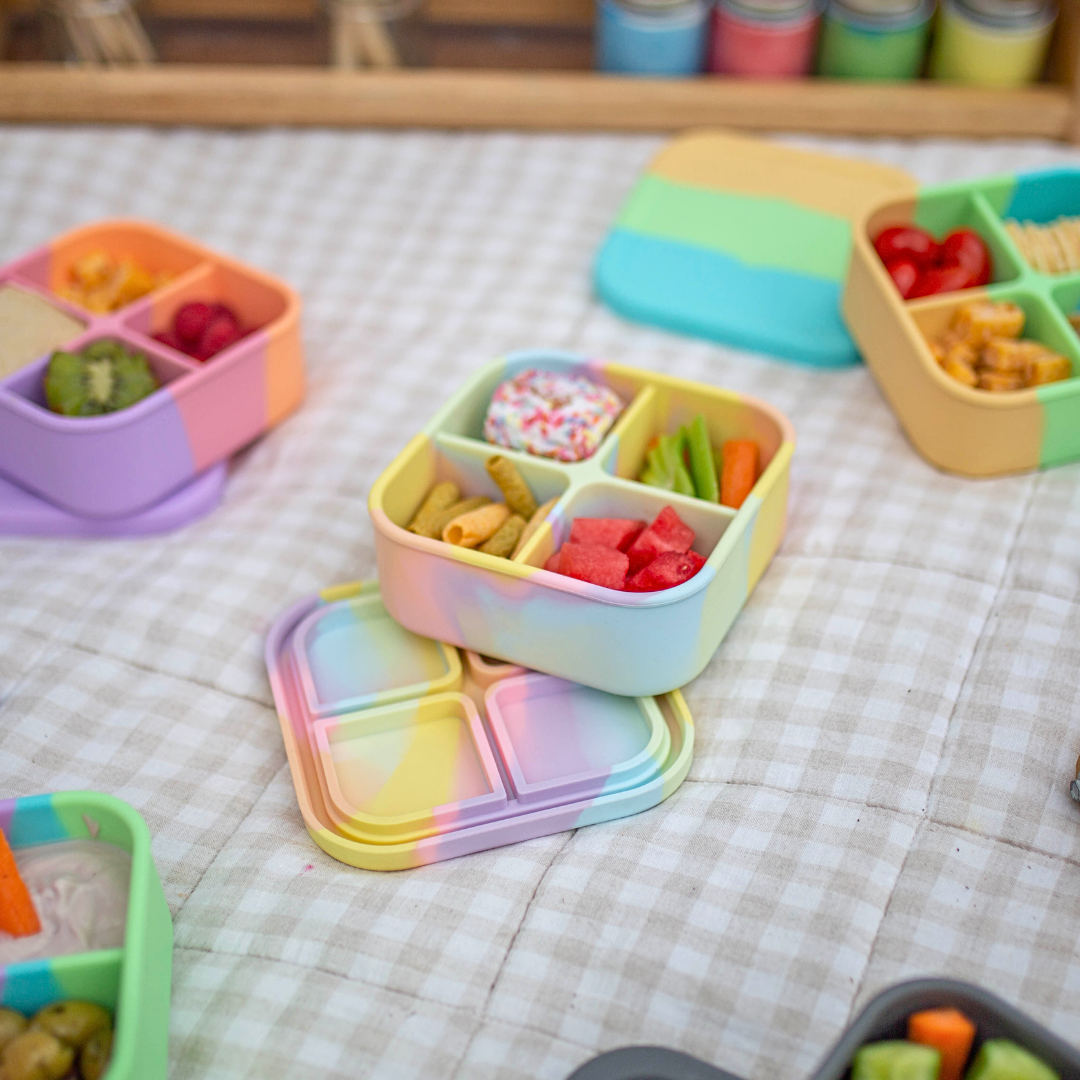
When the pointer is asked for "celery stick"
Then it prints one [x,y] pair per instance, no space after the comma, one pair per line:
[672,447]
[657,473]
[701,461]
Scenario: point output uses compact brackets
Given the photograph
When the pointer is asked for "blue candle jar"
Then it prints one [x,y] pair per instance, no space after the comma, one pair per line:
[651,37]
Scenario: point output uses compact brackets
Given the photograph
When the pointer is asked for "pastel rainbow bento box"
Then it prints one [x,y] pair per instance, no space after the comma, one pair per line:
[400,759]
[120,464]
[639,644]
[133,982]
[963,430]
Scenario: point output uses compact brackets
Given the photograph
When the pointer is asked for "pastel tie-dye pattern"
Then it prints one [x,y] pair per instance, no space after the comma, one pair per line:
[423,779]
[547,622]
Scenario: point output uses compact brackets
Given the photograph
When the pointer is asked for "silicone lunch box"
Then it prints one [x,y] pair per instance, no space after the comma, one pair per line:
[638,644]
[119,464]
[972,432]
[399,758]
[133,982]
[885,1017]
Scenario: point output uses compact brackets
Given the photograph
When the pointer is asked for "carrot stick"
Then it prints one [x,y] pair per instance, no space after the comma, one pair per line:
[17,914]
[739,473]
[947,1030]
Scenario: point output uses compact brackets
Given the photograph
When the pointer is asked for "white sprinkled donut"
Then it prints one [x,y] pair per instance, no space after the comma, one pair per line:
[551,415]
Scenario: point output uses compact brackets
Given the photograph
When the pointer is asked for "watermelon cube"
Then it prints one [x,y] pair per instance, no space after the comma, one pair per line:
[666,571]
[593,563]
[666,533]
[552,563]
[607,532]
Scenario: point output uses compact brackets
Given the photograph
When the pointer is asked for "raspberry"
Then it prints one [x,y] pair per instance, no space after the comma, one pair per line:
[220,334]
[191,320]
[167,337]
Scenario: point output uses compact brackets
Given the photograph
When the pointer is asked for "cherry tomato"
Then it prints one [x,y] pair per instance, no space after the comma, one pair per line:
[904,273]
[940,279]
[906,242]
[965,247]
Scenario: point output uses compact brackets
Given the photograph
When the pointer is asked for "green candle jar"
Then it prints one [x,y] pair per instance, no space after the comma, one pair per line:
[874,39]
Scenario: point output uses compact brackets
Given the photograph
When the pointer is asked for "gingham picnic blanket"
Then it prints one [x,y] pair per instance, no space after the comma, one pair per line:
[884,740]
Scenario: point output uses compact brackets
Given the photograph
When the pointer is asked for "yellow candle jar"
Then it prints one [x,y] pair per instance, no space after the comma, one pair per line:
[999,43]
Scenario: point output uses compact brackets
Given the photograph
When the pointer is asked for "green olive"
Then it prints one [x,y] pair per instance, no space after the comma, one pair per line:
[35,1055]
[12,1023]
[94,1059]
[72,1022]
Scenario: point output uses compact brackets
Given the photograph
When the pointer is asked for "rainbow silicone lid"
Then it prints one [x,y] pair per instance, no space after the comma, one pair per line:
[968,431]
[640,644]
[121,464]
[429,766]
[133,982]
[744,242]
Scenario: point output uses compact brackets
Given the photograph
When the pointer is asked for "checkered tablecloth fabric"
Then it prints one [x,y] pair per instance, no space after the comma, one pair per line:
[885,738]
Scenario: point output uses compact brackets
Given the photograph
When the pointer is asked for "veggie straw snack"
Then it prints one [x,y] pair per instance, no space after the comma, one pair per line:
[499,529]
[1053,248]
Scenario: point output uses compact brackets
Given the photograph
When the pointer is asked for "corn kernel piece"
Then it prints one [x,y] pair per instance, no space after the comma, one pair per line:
[92,270]
[1004,354]
[960,370]
[1048,368]
[980,320]
[963,353]
[999,381]
[131,282]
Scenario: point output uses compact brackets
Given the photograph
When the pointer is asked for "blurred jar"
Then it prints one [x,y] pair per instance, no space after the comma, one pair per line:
[874,39]
[992,42]
[376,33]
[764,39]
[651,37]
[105,32]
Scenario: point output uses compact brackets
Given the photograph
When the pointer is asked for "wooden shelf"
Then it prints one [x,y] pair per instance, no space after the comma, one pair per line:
[202,94]
[465,12]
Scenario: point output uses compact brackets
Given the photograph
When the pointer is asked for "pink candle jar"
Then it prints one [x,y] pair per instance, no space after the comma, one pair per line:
[764,39]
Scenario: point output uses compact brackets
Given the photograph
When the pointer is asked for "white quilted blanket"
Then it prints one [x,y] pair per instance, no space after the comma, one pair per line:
[885,738]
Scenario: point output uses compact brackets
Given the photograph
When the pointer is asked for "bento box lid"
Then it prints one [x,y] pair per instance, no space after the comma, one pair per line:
[394,766]
[744,242]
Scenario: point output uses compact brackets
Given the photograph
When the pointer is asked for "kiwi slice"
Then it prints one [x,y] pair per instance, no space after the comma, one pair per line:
[103,378]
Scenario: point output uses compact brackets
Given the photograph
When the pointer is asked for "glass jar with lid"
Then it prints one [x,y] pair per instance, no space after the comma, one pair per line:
[651,37]
[874,39]
[765,39]
[992,42]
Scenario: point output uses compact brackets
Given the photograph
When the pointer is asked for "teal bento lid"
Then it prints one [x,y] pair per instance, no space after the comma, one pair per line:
[745,242]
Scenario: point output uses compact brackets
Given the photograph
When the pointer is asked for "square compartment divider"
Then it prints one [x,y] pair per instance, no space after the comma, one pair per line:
[124,463]
[636,644]
[955,427]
